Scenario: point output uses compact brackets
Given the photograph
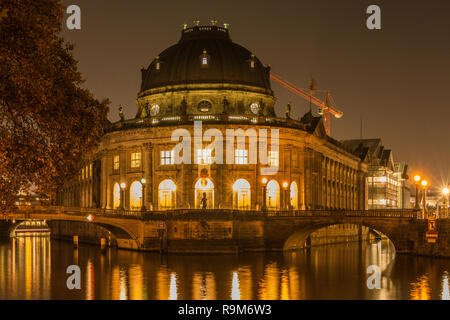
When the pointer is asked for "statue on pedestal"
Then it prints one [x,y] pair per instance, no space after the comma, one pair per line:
[288,111]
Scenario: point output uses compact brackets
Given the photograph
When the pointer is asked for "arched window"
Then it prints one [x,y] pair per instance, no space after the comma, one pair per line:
[135,195]
[273,195]
[241,195]
[204,189]
[166,194]
[116,196]
[294,195]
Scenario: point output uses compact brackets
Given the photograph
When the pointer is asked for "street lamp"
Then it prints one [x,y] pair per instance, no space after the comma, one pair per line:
[264,182]
[416,182]
[122,195]
[143,181]
[424,197]
[286,202]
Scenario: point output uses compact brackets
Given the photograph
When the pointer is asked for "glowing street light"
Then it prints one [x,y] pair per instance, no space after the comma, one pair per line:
[445,191]
[90,218]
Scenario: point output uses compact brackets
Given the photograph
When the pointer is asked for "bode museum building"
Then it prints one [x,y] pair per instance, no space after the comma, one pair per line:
[206,136]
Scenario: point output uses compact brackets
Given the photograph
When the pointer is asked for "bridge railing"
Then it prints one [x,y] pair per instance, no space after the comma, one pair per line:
[225,213]
[390,213]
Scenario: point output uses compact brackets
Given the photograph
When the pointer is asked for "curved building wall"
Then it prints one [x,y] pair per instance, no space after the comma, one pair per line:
[327,177]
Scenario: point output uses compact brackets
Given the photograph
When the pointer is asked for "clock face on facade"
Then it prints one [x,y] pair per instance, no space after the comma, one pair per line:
[154,110]
[254,107]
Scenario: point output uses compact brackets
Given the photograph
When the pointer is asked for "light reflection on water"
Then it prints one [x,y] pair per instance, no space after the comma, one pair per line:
[35,268]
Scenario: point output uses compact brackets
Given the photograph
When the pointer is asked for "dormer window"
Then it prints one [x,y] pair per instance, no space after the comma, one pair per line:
[157,64]
[204,59]
[252,61]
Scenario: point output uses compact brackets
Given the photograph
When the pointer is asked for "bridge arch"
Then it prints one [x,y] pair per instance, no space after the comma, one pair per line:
[118,230]
[299,235]
[124,235]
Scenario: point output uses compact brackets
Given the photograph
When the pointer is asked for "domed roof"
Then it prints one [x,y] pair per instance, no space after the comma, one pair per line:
[205,54]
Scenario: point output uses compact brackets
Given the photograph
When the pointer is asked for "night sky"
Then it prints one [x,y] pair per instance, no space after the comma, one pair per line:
[396,79]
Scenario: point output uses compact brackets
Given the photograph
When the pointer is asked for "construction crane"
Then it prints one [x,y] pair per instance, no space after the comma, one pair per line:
[327,108]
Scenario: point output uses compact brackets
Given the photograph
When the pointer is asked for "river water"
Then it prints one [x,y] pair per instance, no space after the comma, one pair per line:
[35,268]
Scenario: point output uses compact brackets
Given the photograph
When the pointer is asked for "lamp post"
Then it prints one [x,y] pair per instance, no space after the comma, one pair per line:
[286,201]
[264,206]
[143,181]
[424,197]
[416,183]
[445,192]
[122,195]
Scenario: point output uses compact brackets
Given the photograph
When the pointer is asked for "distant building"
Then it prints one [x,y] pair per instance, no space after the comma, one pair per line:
[401,173]
[387,181]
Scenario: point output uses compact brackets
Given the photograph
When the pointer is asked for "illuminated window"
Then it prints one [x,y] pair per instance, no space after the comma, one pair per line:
[204,59]
[116,163]
[135,159]
[241,194]
[204,156]
[294,195]
[273,195]
[166,157]
[135,195]
[273,159]
[157,63]
[240,156]
[90,170]
[82,174]
[116,196]
[252,61]
[166,196]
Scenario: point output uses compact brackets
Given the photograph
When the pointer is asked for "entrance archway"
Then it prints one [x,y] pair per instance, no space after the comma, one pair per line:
[136,195]
[166,194]
[204,188]
[241,195]
[273,195]
[116,196]
[294,195]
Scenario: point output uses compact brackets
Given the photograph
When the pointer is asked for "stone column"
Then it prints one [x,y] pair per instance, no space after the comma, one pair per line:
[148,174]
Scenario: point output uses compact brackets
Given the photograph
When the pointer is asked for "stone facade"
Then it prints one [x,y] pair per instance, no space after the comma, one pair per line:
[327,176]
[207,78]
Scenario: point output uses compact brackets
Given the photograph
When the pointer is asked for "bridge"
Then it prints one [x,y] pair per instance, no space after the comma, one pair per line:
[226,230]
